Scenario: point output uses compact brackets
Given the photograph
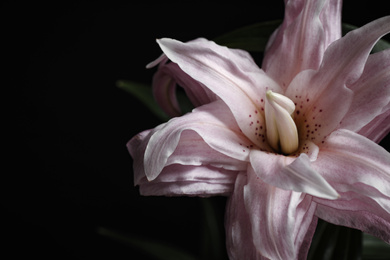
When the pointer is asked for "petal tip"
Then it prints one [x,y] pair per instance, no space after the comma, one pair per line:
[335,195]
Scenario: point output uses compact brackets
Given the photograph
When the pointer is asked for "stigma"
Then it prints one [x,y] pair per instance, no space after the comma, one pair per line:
[282,133]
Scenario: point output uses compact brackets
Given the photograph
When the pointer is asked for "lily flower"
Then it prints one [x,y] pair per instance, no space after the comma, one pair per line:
[289,143]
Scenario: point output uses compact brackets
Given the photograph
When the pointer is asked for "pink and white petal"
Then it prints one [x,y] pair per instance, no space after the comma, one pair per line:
[282,221]
[164,91]
[320,104]
[196,92]
[202,173]
[162,59]
[356,211]
[359,170]
[371,92]
[347,158]
[299,43]
[188,180]
[165,81]
[345,58]
[331,21]
[212,122]
[136,147]
[232,75]
[191,144]
[292,10]
[327,99]
[305,227]
[342,64]
[379,127]
[291,173]
[309,148]
[239,240]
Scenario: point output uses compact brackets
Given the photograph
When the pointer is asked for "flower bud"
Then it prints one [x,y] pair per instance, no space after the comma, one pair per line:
[282,133]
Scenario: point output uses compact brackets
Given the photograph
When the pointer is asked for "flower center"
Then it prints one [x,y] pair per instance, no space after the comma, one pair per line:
[282,133]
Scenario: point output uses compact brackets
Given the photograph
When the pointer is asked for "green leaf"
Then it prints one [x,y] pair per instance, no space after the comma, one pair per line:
[379,46]
[183,100]
[374,248]
[156,249]
[349,244]
[325,241]
[316,241]
[335,242]
[144,93]
[213,246]
[250,38]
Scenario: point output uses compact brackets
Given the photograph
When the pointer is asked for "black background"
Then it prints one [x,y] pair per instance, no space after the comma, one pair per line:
[70,172]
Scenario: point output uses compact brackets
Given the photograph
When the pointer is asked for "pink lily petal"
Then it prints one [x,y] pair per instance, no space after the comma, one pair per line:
[164,92]
[379,127]
[240,230]
[331,21]
[355,48]
[165,81]
[215,177]
[136,147]
[319,107]
[305,225]
[196,92]
[191,144]
[359,170]
[371,93]
[367,162]
[302,38]
[212,122]
[327,99]
[179,180]
[356,211]
[239,239]
[291,174]
[282,221]
[232,75]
